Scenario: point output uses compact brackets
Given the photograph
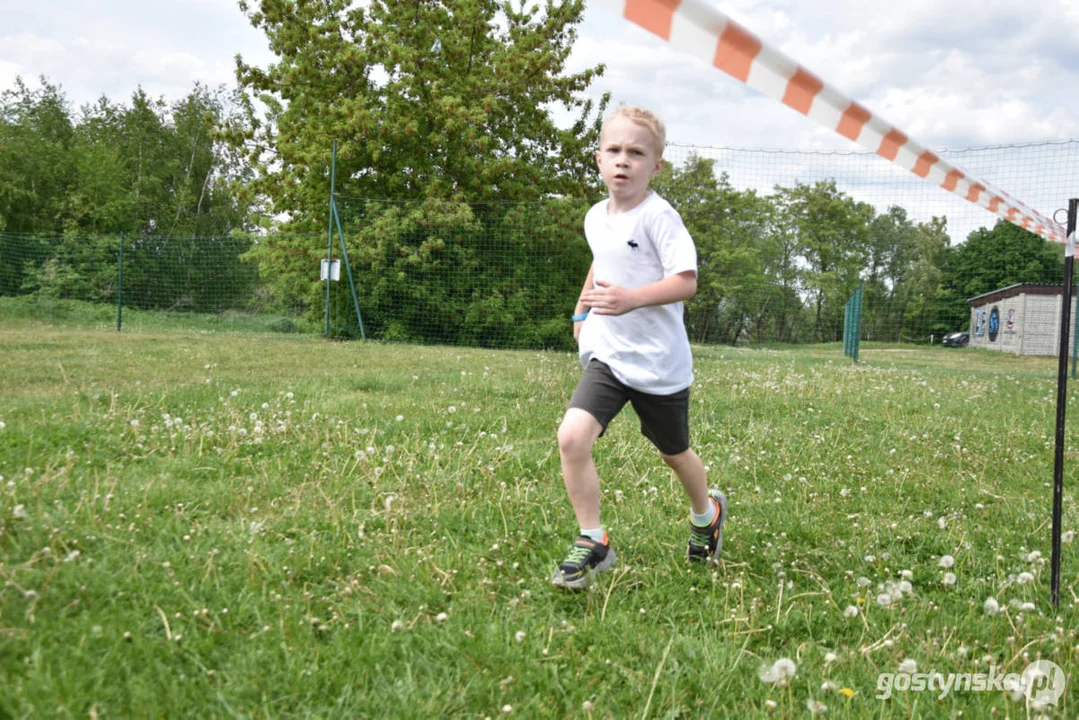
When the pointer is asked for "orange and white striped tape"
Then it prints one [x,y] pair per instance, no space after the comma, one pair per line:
[696,28]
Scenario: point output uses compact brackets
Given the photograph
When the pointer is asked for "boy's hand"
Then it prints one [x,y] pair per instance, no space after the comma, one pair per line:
[608,299]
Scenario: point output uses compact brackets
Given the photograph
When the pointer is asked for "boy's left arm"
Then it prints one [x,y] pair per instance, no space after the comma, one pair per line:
[608,299]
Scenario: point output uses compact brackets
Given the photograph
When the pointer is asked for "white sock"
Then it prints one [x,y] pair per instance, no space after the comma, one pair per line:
[597,534]
[705,518]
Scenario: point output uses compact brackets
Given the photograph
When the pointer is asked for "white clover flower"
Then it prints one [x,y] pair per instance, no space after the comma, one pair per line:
[441,617]
[397,626]
[946,561]
[991,606]
[851,611]
[949,578]
[507,709]
[908,666]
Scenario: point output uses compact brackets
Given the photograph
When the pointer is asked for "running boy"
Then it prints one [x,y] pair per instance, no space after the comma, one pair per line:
[633,344]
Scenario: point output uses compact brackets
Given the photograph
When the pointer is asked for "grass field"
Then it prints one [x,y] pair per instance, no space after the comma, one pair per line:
[255,525]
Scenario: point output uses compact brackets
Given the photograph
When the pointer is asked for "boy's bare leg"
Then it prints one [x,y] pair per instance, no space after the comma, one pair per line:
[690,471]
[576,436]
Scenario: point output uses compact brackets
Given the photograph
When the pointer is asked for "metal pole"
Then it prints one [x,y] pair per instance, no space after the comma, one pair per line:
[1075,344]
[1062,397]
[120,290]
[857,321]
[329,235]
[348,268]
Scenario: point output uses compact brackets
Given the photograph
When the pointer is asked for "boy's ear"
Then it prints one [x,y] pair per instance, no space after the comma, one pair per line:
[599,161]
[659,166]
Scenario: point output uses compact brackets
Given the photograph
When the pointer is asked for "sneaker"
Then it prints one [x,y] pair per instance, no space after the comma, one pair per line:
[705,543]
[586,558]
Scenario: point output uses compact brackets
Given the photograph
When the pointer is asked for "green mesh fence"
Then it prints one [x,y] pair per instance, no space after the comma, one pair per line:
[140,281]
[784,239]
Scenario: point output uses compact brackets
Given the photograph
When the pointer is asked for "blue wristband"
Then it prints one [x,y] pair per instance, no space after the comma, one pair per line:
[582,316]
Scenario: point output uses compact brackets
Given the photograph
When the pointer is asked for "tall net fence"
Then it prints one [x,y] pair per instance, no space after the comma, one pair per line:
[783,238]
[141,281]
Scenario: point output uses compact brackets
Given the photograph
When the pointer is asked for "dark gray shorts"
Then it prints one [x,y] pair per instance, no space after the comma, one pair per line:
[664,418]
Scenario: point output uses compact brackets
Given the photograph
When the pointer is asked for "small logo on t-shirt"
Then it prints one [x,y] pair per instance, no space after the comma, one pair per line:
[633,245]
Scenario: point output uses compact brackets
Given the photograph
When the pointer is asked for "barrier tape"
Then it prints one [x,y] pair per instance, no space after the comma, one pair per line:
[695,28]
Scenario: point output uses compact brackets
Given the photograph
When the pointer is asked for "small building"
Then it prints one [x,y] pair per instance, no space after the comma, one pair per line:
[1023,319]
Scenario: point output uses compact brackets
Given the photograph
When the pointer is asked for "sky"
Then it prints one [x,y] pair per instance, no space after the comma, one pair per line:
[952,74]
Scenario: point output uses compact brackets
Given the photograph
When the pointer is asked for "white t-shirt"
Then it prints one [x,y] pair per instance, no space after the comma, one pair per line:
[647,348]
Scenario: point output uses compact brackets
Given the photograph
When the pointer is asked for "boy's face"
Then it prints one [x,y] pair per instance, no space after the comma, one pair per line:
[627,160]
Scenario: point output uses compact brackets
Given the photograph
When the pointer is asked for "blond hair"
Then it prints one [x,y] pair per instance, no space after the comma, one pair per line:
[645,118]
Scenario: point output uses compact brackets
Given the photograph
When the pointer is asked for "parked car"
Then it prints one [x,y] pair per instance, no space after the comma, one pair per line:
[957,339]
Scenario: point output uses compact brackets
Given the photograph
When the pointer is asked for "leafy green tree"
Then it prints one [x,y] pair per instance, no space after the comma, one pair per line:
[889,257]
[831,231]
[451,100]
[434,99]
[728,227]
[994,258]
[923,296]
[36,168]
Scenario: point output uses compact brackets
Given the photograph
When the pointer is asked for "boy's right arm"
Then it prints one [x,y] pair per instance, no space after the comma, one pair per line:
[580,308]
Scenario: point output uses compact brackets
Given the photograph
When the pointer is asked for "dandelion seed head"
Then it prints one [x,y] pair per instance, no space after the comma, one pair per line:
[946,561]
[908,666]
[991,606]
[949,578]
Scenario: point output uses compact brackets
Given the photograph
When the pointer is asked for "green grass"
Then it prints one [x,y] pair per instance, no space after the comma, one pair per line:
[257,525]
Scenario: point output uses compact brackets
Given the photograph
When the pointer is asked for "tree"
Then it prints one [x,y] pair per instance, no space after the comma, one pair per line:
[728,227]
[428,98]
[36,171]
[995,258]
[831,231]
[889,257]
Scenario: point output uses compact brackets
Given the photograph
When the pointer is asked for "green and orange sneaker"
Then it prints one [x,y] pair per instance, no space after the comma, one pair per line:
[706,542]
[586,558]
